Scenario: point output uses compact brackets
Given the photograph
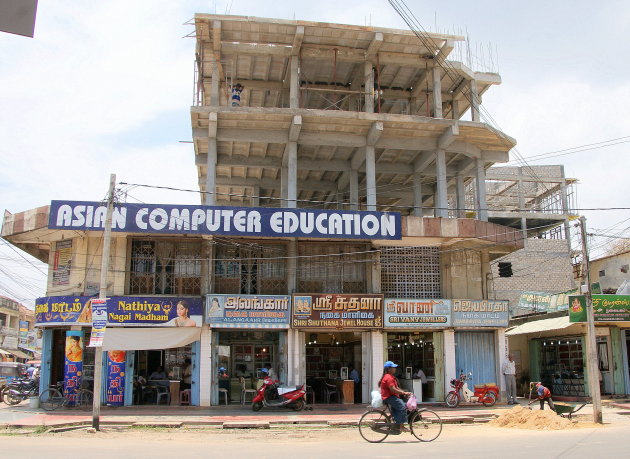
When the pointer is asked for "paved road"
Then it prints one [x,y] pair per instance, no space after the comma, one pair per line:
[471,441]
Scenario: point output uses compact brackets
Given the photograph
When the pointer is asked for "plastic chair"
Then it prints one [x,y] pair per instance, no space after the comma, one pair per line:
[163,392]
[225,393]
[184,397]
[310,393]
[330,391]
[246,390]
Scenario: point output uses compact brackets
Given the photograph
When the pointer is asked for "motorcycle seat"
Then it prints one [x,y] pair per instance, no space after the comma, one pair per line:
[483,386]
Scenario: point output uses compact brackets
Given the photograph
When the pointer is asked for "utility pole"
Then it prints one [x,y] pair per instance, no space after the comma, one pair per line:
[591,348]
[98,351]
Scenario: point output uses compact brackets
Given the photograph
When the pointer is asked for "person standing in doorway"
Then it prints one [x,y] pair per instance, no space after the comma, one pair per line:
[509,373]
[356,377]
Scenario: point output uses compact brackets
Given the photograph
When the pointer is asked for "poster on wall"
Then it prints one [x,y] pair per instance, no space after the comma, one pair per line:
[480,313]
[337,311]
[99,322]
[73,366]
[61,263]
[422,313]
[121,310]
[606,308]
[116,378]
[248,311]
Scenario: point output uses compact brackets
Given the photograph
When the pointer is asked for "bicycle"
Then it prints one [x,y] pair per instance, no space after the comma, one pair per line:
[53,398]
[376,424]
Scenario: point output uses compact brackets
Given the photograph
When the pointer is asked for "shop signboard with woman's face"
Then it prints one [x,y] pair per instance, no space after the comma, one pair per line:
[421,313]
[337,311]
[121,311]
[248,311]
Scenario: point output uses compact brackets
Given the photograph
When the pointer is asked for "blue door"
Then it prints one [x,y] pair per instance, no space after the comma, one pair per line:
[475,352]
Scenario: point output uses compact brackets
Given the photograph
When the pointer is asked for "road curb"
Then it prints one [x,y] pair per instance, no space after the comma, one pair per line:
[246,425]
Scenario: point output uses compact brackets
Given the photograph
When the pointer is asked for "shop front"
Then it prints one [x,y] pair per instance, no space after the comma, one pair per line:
[150,344]
[337,345]
[480,343]
[415,341]
[247,333]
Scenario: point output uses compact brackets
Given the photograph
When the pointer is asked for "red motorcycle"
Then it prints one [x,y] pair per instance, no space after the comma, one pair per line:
[484,393]
[269,395]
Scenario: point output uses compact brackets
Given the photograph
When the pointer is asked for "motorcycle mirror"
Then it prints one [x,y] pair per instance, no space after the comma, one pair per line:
[470,373]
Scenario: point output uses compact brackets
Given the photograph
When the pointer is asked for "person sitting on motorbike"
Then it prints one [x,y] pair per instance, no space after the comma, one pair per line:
[390,393]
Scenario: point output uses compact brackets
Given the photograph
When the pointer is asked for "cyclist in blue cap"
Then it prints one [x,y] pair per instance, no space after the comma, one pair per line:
[391,392]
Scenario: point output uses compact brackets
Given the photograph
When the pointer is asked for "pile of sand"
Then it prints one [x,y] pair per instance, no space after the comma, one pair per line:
[522,417]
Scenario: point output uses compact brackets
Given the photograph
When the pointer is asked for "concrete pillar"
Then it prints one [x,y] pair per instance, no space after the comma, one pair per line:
[205,367]
[417,195]
[438,352]
[283,353]
[450,365]
[455,109]
[292,266]
[437,91]
[474,101]
[354,190]
[211,174]
[460,192]
[292,176]
[295,357]
[368,74]
[256,196]
[565,209]
[480,176]
[294,88]
[214,366]
[521,202]
[502,351]
[378,344]
[441,202]
[214,85]
[284,186]
[370,177]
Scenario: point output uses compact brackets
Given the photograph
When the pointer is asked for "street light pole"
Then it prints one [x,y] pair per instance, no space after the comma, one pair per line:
[591,347]
[98,351]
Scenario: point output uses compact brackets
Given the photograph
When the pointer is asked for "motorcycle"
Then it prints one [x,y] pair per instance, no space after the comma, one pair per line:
[268,395]
[19,390]
[483,393]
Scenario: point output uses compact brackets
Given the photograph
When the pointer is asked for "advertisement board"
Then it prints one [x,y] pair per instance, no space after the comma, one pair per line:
[606,308]
[337,311]
[248,311]
[480,313]
[121,310]
[226,221]
[73,365]
[116,378]
[422,313]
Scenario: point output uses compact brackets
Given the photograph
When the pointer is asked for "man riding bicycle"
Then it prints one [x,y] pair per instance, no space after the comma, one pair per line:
[391,393]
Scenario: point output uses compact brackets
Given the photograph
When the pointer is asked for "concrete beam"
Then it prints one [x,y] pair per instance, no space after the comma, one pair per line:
[294,129]
[446,49]
[419,86]
[374,133]
[212,125]
[422,161]
[216,37]
[297,40]
[375,45]
[448,136]
[275,184]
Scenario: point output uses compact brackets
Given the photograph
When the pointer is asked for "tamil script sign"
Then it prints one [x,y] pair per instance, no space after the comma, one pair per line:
[548,302]
[121,310]
[337,311]
[403,313]
[232,221]
[248,311]
[606,308]
[480,313]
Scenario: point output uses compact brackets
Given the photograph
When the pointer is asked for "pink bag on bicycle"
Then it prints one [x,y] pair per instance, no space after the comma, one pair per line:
[412,403]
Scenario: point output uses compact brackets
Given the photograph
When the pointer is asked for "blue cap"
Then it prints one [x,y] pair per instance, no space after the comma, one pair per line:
[222,369]
[264,370]
[390,364]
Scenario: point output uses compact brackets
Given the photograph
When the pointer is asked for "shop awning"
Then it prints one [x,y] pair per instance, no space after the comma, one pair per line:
[3,352]
[537,326]
[18,354]
[138,339]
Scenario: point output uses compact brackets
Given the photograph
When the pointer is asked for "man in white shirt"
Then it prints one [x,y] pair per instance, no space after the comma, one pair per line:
[509,372]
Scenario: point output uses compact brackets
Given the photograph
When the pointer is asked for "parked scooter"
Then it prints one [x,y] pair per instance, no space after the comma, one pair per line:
[484,393]
[269,396]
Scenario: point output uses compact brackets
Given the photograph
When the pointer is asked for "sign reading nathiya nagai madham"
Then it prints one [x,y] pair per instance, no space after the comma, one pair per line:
[232,221]
[337,311]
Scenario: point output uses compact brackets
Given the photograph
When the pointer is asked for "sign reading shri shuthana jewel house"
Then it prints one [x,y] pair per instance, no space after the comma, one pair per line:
[226,221]
[606,308]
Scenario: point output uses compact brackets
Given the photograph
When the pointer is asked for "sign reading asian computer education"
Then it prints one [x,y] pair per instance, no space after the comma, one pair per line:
[248,311]
[337,311]
[425,313]
[480,313]
[227,221]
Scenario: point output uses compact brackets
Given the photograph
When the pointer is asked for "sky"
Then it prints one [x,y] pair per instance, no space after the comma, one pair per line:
[106,87]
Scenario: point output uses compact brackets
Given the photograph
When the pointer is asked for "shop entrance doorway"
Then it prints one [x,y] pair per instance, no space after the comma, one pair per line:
[414,353]
[158,372]
[333,367]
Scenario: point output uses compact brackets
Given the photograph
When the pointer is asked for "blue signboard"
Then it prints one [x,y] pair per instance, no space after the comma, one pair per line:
[121,310]
[480,313]
[116,378]
[248,311]
[425,313]
[73,366]
[232,221]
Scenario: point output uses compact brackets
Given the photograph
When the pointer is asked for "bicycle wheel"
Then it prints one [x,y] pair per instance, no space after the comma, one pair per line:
[51,399]
[425,425]
[373,426]
[85,398]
